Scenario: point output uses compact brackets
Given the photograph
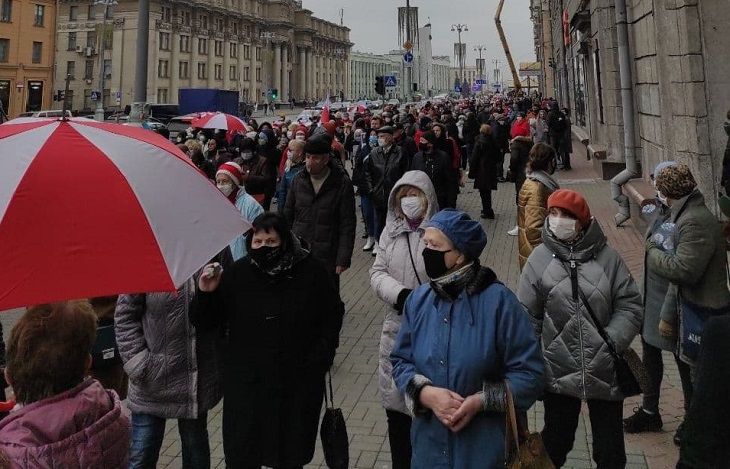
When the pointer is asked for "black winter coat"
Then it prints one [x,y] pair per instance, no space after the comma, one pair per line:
[326,220]
[283,334]
[382,171]
[408,149]
[485,164]
[358,167]
[437,166]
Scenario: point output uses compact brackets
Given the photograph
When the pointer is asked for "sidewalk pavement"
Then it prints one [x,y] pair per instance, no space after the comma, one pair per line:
[355,369]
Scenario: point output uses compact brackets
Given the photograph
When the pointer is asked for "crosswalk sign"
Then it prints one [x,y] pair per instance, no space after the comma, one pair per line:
[390,81]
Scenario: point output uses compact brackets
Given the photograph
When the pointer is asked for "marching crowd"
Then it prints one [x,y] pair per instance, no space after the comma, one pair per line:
[258,327]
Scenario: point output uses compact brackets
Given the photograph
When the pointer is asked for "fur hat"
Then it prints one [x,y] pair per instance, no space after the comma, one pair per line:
[675,182]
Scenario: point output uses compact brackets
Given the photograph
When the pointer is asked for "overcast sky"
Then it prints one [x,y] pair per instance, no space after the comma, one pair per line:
[374,25]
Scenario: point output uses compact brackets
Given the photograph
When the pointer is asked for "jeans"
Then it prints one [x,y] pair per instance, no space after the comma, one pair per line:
[371,218]
[148,432]
[561,421]
[399,437]
[652,358]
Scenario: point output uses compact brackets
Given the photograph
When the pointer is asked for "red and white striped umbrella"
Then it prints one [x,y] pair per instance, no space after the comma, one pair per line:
[219,120]
[90,209]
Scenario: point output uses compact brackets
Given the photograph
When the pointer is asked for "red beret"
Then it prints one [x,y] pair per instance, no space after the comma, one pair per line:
[573,203]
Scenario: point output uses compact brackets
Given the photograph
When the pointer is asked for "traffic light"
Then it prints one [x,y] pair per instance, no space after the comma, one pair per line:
[379,85]
[274,94]
[59,96]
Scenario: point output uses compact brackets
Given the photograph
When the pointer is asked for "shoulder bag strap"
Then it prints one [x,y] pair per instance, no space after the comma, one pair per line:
[410,253]
[578,293]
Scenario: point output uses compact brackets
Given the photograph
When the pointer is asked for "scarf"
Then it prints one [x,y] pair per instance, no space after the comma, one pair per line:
[450,285]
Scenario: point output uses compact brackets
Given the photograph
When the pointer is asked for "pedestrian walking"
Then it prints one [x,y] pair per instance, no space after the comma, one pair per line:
[320,207]
[485,168]
[520,147]
[447,144]
[63,418]
[283,317]
[532,200]
[362,149]
[294,165]
[571,278]
[397,271]
[557,124]
[457,388]
[436,164]
[539,128]
[566,145]
[173,374]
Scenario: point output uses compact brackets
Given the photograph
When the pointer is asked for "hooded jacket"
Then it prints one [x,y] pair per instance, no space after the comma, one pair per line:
[83,427]
[398,265]
[577,360]
[532,211]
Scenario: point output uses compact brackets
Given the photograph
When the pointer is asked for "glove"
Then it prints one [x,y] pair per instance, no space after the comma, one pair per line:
[402,296]
[666,329]
[650,244]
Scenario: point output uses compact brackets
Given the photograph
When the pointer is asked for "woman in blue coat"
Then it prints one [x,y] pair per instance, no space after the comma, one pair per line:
[464,337]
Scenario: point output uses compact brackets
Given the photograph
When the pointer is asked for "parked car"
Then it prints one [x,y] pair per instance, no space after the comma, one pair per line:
[161,112]
[306,115]
[49,113]
[180,124]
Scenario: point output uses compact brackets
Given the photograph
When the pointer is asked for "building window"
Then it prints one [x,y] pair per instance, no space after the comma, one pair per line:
[163,69]
[91,12]
[186,18]
[184,43]
[183,70]
[203,22]
[164,41]
[234,50]
[4,48]
[71,41]
[161,95]
[202,46]
[258,74]
[246,52]
[246,74]
[235,28]
[37,52]
[218,69]
[233,72]
[166,14]
[107,69]
[202,70]
[89,70]
[6,14]
[40,15]
[91,39]
[219,48]
[220,24]
[71,69]
[258,53]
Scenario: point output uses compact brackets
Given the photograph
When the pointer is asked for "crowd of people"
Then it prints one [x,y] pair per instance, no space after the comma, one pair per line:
[258,327]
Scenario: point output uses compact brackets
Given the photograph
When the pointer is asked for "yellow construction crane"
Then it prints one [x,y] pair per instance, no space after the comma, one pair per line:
[505,46]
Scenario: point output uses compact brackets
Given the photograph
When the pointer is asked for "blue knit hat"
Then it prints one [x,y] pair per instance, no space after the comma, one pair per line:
[467,235]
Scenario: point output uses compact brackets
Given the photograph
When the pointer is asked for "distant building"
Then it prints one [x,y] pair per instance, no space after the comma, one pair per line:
[246,45]
[27,45]
[364,68]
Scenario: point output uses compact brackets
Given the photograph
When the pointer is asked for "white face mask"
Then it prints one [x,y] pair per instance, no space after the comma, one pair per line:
[412,207]
[300,138]
[381,142]
[661,198]
[562,228]
[226,188]
[289,134]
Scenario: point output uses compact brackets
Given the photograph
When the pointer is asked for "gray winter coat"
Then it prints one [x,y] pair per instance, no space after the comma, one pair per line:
[577,361]
[174,372]
[656,289]
[392,272]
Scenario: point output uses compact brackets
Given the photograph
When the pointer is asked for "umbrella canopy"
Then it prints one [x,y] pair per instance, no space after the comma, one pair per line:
[90,209]
[219,120]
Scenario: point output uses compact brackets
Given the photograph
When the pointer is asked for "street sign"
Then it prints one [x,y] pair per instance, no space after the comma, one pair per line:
[481,82]
[94,95]
[457,88]
[476,87]
[408,57]
[390,81]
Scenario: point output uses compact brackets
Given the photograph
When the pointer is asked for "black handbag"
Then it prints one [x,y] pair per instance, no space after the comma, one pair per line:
[630,372]
[333,432]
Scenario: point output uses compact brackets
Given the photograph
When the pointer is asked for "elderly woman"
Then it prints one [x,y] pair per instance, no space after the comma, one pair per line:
[532,200]
[283,317]
[464,338]
[230,179]
[399,269]
[572,277]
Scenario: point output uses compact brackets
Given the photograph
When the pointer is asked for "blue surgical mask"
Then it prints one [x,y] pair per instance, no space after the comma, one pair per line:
[373,141]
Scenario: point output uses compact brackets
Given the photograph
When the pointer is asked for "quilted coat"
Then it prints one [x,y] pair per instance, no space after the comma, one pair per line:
[392,272]
[174,371]
[577,361]
[532,211]
[84,427]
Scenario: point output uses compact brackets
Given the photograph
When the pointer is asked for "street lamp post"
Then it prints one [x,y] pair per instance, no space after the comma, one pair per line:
[140,73]
[496,71]
[460,28]
[480,68]
[99,113]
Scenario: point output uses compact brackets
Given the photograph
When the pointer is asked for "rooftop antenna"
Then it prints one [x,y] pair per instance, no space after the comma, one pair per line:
[342,15]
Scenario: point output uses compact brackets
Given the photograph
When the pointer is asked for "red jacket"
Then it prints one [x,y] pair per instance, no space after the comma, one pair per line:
[520,128]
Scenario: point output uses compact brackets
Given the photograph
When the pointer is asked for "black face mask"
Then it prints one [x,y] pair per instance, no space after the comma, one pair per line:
[423,146]
[435,262]
[265,257]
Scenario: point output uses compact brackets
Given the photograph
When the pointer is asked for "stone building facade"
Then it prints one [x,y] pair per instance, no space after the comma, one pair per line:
[365,67]
[680,81]
[250,46]
[27,44]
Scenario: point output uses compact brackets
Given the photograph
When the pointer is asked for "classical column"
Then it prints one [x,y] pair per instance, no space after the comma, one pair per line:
[310,74]
[302,73]
[174,69]
[226,65]
[277,68]
[285,73]
[211,62]
[252,83]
